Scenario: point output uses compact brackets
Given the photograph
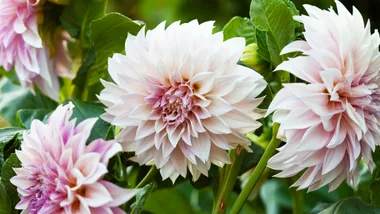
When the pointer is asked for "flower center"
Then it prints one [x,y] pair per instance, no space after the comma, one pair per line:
[44,185]
[174,103]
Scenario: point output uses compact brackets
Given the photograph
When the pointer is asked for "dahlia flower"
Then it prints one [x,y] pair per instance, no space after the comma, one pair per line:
[181,98]
[21,47]
[60,174]
[331,121]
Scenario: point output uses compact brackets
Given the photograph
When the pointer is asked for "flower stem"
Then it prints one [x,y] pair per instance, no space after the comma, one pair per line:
[148,177]
[297,199]
[231,174]
[269,151]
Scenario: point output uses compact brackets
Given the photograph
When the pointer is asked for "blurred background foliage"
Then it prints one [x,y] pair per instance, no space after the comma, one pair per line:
[153,12]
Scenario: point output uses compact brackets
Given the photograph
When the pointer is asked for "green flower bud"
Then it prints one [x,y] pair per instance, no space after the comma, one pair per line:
[252,59]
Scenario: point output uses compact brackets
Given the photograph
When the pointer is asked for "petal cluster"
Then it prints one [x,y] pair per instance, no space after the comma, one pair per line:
[181,98]
[22,48]
[331,121]
[61,174]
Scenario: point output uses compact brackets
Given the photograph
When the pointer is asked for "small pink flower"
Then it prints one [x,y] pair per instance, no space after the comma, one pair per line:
[181,98]
[60,174]
[21,47]
[330,122]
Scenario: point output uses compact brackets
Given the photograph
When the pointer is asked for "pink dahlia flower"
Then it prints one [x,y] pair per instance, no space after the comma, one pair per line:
[181,98]
[60,174]
[21,47]
[330,122]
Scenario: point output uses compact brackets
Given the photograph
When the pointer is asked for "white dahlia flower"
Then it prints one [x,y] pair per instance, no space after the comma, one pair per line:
[330,122]
[181,98]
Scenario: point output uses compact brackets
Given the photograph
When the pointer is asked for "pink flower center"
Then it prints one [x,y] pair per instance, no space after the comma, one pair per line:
[40,192]
[174,104]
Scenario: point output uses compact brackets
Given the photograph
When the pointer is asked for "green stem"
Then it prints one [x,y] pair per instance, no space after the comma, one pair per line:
[230,177]
[123,169]
[297,198]
[269,151]
[297,202]
[148,177]
[85,92]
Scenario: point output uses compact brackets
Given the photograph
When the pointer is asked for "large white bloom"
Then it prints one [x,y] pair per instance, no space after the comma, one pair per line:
[331,122]
[181,98]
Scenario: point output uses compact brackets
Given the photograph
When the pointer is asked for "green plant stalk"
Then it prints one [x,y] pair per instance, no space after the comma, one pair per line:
[269,151]
[230,177]
[148,177]
[297,198]
[85,90]
[232,155]
[223,175]
[297,202]
[122,168]
[253,195]
[219,186]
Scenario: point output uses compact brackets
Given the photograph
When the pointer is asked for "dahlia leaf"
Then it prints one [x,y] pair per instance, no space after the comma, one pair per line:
[374,189]
[78,15]
[141,196]
[350,205]
[5,201]
[275,18]
[262,45]
[10,75]
[164,201]
[292,8]
[108,36]
[9,140]
[86,110]
[26,116]
[240,27]
[7,173]
[362,189]
[294,11]
[14,98]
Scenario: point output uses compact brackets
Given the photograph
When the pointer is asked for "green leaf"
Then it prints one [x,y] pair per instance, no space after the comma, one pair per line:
[261,38]
[165,201]
[374,189]
[240,27]
[11,75]
[275,18]
[77,16]
[7,173]
[323,196]
[5,201]
[7,134]
[26,116]
[86,110]
[276,196]
[201,200]
[351,206]
[141,197]
[292,8]
[8,142]
[108,36]
[14,98]
[81,75]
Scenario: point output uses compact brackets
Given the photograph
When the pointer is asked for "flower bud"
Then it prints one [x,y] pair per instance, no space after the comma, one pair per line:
[252,58]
